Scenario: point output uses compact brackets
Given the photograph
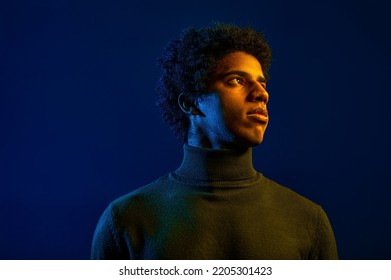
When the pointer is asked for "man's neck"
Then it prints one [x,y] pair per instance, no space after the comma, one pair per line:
[216,164]
[195,138]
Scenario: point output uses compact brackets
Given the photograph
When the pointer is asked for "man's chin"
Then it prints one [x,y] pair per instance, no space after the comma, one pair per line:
[257,143]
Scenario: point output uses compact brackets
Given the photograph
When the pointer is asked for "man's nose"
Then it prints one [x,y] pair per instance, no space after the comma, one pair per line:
[258,93]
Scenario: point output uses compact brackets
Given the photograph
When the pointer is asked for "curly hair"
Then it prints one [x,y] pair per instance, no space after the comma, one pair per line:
[188,62]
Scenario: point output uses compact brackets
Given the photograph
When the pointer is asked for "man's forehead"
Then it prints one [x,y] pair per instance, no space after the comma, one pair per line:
[240,62]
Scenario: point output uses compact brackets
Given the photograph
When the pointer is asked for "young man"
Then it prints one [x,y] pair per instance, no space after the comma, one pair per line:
[215,205]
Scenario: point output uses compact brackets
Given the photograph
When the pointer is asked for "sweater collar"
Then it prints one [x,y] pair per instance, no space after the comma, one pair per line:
[216,165]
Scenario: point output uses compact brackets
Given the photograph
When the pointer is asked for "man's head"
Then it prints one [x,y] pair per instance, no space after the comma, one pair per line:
[192,71]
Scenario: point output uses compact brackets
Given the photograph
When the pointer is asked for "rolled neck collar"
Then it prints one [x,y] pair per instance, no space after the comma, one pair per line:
[216,165]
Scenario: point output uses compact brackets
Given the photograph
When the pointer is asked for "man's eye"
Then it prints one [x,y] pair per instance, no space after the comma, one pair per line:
[235,81]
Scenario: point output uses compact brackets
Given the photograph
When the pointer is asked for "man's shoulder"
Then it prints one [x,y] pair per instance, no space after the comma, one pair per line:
[137,205]
[287,197]
[141,194]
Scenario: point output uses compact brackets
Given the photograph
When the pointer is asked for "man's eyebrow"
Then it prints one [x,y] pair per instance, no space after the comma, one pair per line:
[243,74]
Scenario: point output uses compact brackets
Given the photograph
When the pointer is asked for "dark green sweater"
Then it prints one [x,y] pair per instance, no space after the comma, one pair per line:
[215,206]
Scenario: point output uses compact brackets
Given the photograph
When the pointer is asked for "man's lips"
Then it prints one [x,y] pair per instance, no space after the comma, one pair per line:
[259,115]
[259,110]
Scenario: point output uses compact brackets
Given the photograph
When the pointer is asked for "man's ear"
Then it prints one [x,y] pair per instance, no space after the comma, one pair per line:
[187,106]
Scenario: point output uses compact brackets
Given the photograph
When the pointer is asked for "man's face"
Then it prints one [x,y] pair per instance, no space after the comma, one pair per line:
[235,114]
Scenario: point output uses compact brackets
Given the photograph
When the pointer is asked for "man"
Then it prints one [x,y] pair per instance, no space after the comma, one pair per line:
[215,205]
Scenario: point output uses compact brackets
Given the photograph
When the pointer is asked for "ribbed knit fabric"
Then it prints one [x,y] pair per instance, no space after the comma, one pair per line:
[214,206]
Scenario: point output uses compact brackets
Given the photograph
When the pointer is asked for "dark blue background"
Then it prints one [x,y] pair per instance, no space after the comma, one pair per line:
[78,125]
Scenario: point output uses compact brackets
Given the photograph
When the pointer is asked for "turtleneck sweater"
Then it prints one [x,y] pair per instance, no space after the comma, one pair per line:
[214,206]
